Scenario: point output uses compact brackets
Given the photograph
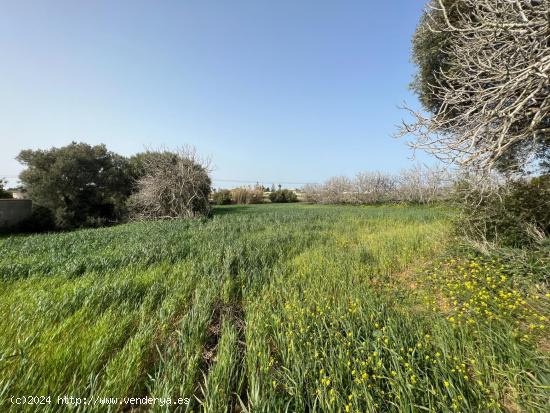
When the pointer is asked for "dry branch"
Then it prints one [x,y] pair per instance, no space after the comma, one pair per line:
[496,92]
[176,185]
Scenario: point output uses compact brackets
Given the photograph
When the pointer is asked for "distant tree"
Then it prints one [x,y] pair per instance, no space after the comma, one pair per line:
[313,193]
[339,190]
[374,187]
[173,185]
[222,197]
[418,184]
[272,188]
[423,185]
[483,75]
[80,184]
[3,193]
[283,196]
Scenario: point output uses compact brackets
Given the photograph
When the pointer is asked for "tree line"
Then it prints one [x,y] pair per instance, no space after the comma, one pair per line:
[418,184]
[253,195]
[81,185]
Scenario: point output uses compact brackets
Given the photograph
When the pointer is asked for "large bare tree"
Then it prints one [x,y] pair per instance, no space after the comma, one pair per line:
[493,86]
[173,185]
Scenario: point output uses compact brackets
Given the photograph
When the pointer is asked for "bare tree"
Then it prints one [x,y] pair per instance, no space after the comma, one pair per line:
[410,186]
[374,187]
[338,190]
[438,182]
[422,184]
[495,93]
[417,184]
[312,193]
[175,185]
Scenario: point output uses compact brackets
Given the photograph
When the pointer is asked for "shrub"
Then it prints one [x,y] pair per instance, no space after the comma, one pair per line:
[174,185]
[283,196]
[247,195]
[515,214]
[222,197]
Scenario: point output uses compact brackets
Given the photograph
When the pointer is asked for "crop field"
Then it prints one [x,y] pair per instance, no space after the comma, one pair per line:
[271,308]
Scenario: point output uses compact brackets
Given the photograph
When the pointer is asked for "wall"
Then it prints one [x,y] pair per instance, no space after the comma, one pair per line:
[13,211]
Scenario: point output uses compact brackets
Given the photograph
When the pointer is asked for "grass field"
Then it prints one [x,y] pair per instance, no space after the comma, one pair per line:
[272,308]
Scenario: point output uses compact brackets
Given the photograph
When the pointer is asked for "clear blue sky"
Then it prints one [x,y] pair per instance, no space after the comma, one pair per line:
[274,91]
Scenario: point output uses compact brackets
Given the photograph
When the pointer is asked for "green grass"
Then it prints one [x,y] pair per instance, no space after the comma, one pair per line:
[265,308]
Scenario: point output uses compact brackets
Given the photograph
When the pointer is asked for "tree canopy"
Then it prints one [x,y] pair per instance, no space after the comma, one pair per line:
[81,184]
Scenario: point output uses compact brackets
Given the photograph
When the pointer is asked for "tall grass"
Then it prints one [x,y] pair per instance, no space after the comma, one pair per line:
[262,308]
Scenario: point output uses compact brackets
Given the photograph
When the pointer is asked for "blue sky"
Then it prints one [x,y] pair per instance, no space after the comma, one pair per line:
[271,91]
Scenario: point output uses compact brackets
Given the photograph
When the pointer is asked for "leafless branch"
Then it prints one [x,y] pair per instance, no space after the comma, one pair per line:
[496,93]
[176,185]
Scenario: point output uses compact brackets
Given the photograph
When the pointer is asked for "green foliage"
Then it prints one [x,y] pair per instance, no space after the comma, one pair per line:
[3,193]
[255,307]
[283,196]
[428,53]
[222,197]
[82,185]
[515,215]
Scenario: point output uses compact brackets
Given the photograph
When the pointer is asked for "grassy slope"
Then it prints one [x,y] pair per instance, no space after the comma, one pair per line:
[272,307]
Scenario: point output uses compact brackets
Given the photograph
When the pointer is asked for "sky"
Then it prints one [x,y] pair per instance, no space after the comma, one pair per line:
[279,91]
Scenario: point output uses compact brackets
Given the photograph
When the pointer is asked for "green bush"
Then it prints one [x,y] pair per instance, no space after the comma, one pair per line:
[283,196]
[515,215]
[222,197]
